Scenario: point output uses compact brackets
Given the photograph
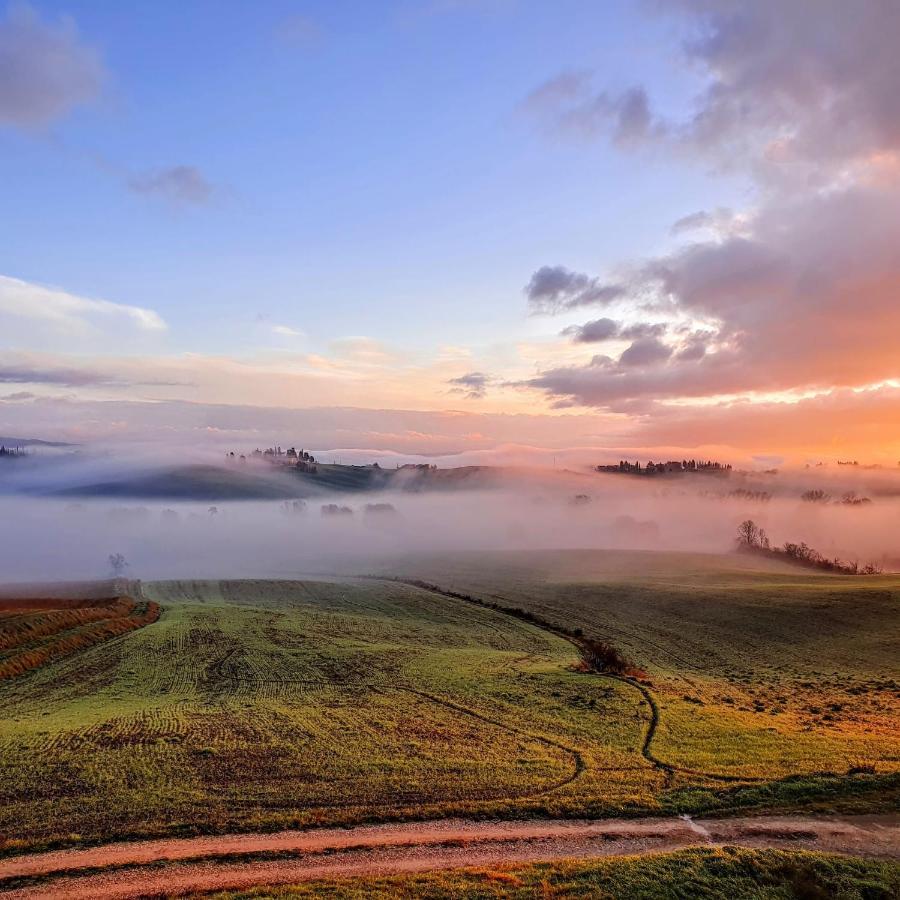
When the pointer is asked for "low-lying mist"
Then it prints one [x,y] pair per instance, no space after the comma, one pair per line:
[52,535]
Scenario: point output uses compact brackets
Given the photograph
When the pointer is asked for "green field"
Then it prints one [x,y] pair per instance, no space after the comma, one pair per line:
[684,875]
[759,669]
[260,705]
[255,704]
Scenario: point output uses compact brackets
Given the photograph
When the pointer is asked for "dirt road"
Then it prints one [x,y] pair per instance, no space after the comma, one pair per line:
[133,870]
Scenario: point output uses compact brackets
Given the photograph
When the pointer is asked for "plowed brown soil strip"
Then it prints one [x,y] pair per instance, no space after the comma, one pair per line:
[384,849]
[35,631]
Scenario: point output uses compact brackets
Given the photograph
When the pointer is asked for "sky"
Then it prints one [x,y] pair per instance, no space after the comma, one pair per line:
[438,226]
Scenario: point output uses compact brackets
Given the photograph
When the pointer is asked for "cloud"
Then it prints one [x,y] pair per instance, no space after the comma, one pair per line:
[45,69]
[720,220]
[694,348]
[811,80]
[25,374]
[643,330]
[604,329]
[286,331]
[473,384]
[23,371]
[569,103]
[806,301]
[644,352]
[797,294]
[553,289]
[69,314]
[786,86]
[570,86]
[183,185]
[18,397]
[593,332]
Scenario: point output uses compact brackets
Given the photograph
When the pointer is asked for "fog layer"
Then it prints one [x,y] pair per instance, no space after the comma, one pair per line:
[48,537]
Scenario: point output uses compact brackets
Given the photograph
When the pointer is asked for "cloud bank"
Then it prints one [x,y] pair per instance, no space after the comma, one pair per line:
[797,294]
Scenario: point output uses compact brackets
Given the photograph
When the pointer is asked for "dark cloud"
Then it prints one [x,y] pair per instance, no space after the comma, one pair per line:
[553,289]
[473,384]
[643,330]
[693,350]
[185,185]
[593,332]
[806,82]
[604,329]
[646,351]
[25,373]
[45,69]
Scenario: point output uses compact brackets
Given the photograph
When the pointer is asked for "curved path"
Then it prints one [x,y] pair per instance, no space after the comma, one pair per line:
[239,861]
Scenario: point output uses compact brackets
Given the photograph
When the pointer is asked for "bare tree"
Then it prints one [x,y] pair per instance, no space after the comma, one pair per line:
[751,535]
[118,564]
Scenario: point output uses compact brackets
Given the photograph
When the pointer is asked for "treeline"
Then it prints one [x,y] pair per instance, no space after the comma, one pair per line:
[753,539]
[851,498]
[667,468]
[596,655]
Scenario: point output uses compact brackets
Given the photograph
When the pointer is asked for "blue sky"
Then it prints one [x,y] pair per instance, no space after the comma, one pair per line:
[373,170]
[453,207]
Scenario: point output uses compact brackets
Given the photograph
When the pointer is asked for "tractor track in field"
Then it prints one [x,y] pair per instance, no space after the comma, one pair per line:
[668,769]
[575,755]
[173,867]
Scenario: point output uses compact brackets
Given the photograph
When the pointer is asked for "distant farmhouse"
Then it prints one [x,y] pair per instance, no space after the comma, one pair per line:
[672,467]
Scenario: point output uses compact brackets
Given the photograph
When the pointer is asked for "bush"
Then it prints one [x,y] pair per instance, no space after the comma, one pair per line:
[603,657]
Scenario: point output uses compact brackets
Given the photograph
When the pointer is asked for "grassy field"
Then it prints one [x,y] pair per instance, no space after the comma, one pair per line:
[759,669]
[684,875]
[256,704]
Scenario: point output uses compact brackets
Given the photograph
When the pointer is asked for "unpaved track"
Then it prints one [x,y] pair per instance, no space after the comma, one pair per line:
[414,847]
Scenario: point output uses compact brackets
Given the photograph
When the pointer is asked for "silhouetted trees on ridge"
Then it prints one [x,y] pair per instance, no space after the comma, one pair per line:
[753,539]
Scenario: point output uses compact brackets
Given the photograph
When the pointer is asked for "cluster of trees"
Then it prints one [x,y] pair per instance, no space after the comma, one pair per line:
[332,509]
[752,496]
[752,538]
[300,459]
[11,452]
[662,468]
[851,498]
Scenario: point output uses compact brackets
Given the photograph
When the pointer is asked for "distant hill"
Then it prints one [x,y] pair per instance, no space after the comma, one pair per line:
[32,442]
[196,482]
[221,483]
